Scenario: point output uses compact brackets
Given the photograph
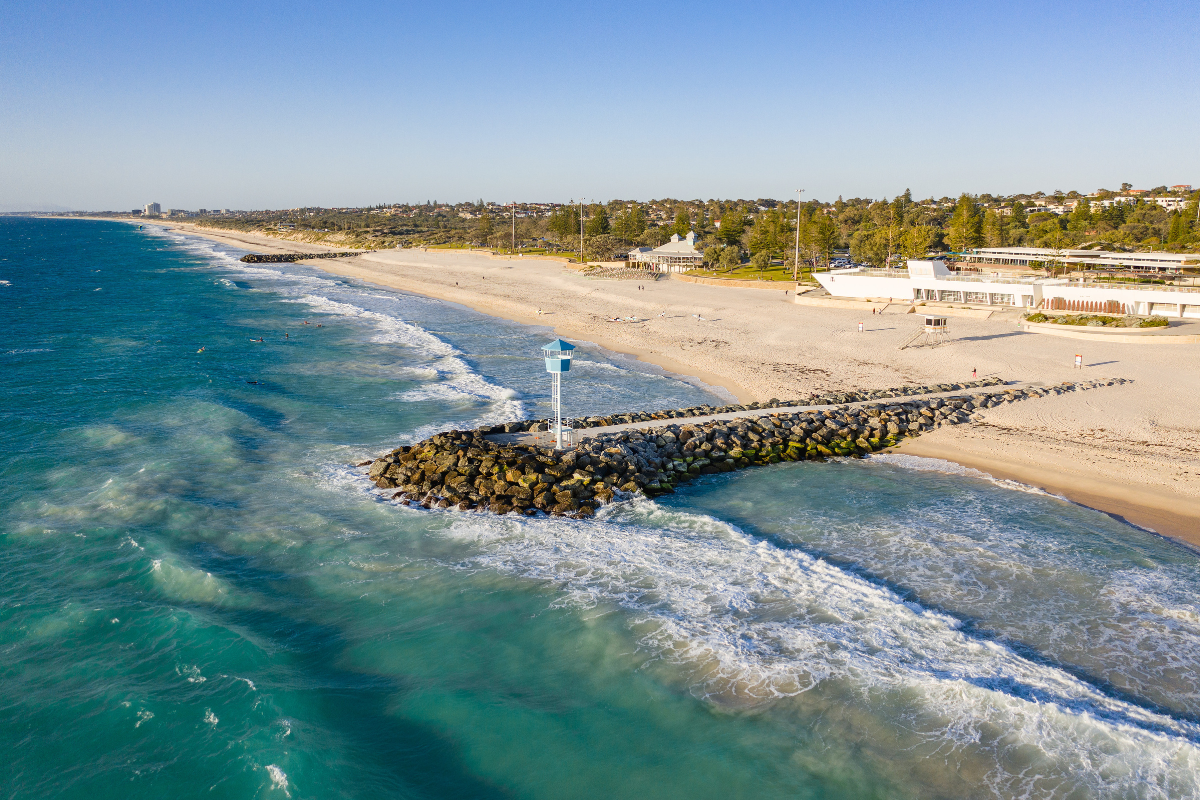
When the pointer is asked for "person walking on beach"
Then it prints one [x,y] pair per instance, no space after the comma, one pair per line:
[974,372]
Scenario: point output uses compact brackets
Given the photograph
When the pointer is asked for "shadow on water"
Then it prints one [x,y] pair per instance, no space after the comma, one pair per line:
[409,756]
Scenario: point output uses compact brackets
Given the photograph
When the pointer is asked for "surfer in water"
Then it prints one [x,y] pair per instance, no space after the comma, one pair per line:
[201,350]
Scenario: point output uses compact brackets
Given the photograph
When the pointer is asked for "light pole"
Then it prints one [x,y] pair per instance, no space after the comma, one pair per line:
[581,229]
[558,361]
[796,255]
[514,231]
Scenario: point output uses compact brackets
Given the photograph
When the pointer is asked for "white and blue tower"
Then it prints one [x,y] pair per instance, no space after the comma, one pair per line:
[558,361]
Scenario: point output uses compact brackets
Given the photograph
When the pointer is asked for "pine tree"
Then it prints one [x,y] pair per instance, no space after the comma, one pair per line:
[1081,217]
[966,225]
[1179,229]
[598,224]
[484,228]
[733,222]
[1018,213]
[683,221]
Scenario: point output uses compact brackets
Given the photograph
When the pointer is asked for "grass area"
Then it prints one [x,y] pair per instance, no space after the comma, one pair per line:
[504,251]
[775,272]
[1117,279]
[1099,320]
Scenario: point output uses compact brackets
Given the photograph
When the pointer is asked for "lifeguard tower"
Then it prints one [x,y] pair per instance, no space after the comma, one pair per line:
[934,332]
[558,361]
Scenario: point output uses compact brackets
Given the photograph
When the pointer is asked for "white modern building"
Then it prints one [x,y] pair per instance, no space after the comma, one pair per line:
[1081,259]
[677,255]
[932,281]
[1174,203]
[152,208]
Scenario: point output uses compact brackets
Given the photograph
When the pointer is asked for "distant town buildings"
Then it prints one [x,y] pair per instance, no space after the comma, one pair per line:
[1176,202]
[677,255]
[152,209]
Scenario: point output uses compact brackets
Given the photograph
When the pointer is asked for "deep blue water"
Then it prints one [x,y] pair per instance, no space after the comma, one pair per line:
[200,597]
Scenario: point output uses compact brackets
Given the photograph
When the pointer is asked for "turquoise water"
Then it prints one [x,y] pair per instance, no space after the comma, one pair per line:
[200,598]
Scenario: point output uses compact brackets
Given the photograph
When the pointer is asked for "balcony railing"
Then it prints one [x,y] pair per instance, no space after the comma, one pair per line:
[1002,280]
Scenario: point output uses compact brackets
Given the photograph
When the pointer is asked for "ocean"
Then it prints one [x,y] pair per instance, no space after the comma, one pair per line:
[202,598]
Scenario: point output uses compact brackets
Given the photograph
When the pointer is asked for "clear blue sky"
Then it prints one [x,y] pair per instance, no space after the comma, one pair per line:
[269,105]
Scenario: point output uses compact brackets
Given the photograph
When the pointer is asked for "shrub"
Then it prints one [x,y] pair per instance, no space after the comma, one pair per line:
[1036,316]
[1153,322]
[1089,319]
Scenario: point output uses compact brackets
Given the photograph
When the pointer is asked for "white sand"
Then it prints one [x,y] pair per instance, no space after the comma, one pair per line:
[1131,450]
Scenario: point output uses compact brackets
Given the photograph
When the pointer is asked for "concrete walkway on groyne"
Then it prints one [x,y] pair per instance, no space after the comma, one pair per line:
[546,438]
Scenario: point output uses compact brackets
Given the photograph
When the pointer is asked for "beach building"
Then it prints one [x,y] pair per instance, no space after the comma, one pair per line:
[932,281]
[677,255]
[1080,259]
[152,208]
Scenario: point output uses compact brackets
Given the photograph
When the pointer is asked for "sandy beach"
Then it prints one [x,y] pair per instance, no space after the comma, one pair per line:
[1132,451]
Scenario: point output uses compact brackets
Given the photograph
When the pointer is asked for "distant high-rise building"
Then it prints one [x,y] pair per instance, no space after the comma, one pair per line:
[152,208]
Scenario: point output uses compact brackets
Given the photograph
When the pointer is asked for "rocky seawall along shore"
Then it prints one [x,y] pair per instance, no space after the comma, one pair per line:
[468,471]
[287,258]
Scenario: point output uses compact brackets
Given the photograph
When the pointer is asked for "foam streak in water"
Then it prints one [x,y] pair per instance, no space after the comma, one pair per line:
[749,622]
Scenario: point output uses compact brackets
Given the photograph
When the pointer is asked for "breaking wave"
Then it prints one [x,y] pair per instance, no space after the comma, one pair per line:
[747,622]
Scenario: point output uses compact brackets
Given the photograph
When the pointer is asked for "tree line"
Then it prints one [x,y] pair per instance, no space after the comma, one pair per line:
[764,231]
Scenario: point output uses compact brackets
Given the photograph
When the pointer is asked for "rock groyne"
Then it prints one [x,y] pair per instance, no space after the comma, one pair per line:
[468,470]
[827,399]
[287,258]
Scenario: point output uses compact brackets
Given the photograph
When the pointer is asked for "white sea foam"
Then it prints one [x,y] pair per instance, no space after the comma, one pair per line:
[190,673]
[598,365]
[923,464]
[451,378]
[246,681]
[278,779]
[748,622]
[458,382]
[188,584]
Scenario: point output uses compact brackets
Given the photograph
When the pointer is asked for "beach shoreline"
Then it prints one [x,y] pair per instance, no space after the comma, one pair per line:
[1050,451]
[1159,512]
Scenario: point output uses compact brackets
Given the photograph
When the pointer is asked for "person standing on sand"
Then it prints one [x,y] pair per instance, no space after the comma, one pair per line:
[974,372]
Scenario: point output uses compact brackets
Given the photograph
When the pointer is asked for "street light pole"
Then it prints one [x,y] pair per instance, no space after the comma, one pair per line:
[581,229]
[796,255]
[514,231]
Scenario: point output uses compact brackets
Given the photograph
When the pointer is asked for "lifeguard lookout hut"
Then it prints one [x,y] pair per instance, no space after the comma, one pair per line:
[934,332]
[558,361]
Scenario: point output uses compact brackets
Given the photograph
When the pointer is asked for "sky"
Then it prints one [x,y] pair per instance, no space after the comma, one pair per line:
[251,105]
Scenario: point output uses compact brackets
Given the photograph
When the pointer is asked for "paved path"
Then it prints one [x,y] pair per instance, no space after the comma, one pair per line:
[546,438]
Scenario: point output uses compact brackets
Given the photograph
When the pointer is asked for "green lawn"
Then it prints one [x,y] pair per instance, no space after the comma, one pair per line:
[775,272]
